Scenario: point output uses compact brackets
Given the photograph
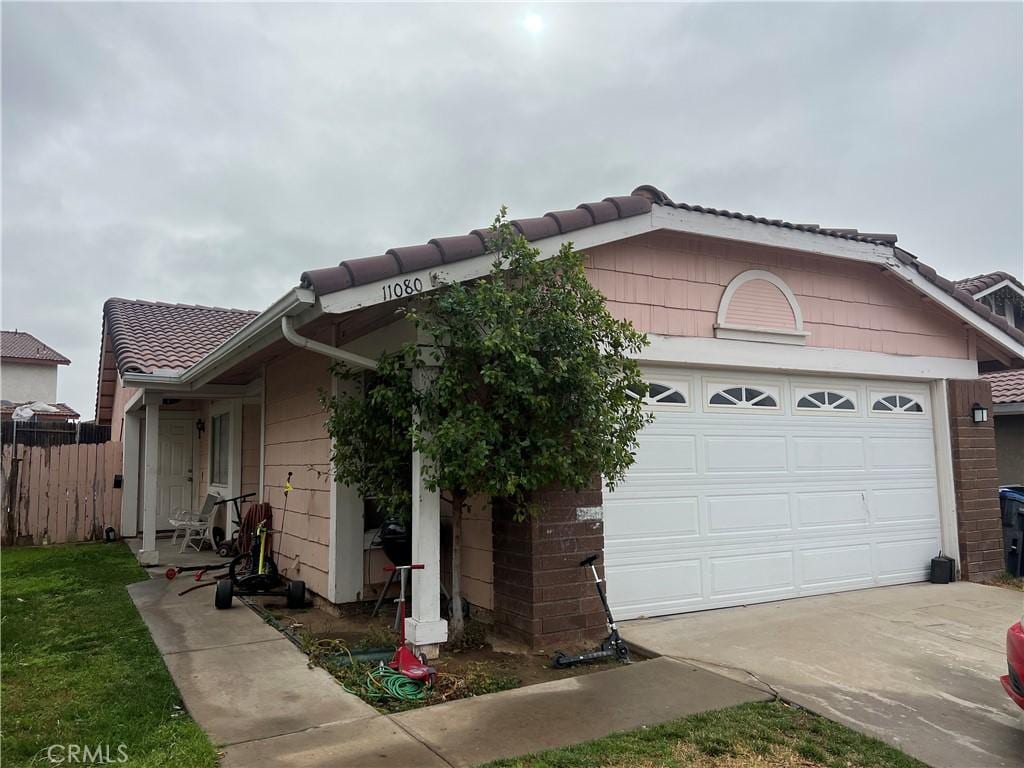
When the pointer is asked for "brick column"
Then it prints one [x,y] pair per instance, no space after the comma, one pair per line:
[976,481]
[541,595]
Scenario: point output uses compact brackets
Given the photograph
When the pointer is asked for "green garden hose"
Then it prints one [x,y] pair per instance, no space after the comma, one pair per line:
[396,685]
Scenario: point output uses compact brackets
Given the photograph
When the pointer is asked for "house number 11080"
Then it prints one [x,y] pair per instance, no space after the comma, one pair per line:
[406,287]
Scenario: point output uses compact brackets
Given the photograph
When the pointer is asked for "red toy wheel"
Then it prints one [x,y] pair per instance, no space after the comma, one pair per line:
[170,573]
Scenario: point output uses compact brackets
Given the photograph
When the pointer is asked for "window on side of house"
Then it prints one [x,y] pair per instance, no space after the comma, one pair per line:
[220,446]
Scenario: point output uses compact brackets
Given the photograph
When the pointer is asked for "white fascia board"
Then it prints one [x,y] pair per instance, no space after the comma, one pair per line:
[1005,284]
[741,230]
[971,318]
[264,328]
[367,295]
[724,353]
[261,331]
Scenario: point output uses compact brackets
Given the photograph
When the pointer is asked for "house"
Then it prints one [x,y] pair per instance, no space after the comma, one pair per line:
[29,375]
[1004,295]
[812,390]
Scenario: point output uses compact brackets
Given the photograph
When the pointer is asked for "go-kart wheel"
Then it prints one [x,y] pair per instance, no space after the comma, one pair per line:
[296,594]
[225,591]
[170,573]
[560,661]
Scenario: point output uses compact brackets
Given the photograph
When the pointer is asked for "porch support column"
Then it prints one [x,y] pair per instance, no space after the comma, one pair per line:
[148,554]
[130,475]
[425,630]
[345,565]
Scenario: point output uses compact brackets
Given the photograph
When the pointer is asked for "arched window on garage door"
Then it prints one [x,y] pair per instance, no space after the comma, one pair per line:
[896,403]
[663,394]
[743,397]
[825,400]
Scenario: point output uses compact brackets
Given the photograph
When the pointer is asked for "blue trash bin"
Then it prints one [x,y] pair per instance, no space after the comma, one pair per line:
[1011,507]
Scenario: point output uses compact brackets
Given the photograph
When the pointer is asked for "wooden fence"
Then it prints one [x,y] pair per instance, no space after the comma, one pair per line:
[60,492]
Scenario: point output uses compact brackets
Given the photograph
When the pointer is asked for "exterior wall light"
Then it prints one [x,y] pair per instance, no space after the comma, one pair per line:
[979,413]
[200,427]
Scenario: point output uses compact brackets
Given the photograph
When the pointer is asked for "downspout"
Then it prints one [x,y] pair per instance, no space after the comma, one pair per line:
[288,329]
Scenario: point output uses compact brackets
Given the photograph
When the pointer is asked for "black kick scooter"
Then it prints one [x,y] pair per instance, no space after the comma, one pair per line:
[612,647]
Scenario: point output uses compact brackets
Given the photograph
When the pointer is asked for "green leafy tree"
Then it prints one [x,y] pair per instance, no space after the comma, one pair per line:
[529,382]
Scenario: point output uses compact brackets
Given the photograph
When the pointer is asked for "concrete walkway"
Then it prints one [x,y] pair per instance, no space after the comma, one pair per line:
[223,660]
[917,666]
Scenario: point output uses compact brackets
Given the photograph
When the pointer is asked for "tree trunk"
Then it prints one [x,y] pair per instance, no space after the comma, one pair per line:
[456,625]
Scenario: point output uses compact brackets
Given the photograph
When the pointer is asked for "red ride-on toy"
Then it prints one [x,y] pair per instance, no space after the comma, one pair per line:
[405,661]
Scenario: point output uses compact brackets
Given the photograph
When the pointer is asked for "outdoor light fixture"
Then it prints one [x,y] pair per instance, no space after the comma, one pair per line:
[979,413]
[200,427]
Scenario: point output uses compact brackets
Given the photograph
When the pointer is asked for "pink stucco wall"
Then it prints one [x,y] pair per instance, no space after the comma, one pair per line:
[122,395]
[297,442]
[670,283]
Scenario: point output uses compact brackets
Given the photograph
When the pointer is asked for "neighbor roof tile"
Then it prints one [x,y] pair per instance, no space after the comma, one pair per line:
[151,335]
[1007,386]
[18,345]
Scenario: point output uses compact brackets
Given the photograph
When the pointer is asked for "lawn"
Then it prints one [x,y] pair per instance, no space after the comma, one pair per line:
[761,735]
[79,666]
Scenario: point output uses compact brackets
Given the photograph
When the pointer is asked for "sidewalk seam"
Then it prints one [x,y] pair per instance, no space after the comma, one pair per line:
[416,737]
[226,645]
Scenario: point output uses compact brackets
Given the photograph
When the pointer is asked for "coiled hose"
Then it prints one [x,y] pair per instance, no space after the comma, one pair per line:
[395,685]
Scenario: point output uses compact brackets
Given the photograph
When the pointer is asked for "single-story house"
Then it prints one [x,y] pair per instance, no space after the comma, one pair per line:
[812,391]
[1004,294]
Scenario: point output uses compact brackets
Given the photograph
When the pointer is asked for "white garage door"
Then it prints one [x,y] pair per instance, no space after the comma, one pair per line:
[749,488]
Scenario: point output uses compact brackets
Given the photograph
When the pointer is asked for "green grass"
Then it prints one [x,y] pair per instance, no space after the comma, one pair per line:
[79,666]
[766,734]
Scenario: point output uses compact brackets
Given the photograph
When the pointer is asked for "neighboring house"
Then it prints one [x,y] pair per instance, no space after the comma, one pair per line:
[1004,295]
[28,374]
[812,390]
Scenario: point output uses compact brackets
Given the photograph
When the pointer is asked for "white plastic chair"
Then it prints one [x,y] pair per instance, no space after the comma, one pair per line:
[196,526]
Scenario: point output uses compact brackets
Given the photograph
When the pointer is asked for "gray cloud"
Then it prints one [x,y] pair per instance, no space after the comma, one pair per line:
[211,153]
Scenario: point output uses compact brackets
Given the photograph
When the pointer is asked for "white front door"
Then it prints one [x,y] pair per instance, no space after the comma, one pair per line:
[174,469]
[750,487]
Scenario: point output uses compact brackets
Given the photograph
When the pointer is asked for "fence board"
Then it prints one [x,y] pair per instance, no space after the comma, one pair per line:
[62,491]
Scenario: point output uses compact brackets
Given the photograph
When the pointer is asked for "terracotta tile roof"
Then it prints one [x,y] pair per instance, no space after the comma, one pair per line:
[18,345]
[146,336]
[1007,386]
[64,411]
[979,283]
[445,250]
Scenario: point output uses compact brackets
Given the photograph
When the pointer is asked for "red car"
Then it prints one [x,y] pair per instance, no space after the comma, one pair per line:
[1013,682]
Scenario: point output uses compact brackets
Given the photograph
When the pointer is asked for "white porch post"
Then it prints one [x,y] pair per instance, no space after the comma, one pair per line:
[345,564]
[148,554]
[130,476]
[425,630]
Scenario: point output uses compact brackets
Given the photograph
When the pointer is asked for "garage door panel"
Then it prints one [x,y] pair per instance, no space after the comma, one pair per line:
[654,588]
[744,453]
[902,505]
[899,562]
[818,454]
[752,574]
[751,514]
[835,566]
[830,509]
[895,454]
[659,517]
[668,453]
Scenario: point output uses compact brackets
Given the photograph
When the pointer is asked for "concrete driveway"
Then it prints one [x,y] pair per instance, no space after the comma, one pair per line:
[916,666]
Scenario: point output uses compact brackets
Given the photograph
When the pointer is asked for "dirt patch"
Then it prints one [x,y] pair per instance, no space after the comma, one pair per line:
[351,643]
[1006,581]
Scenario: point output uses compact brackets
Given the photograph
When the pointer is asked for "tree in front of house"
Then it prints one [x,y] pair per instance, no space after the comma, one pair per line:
[528,382]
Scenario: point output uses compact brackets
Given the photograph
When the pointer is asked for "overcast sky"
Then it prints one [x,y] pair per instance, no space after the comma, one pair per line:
[209,154]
